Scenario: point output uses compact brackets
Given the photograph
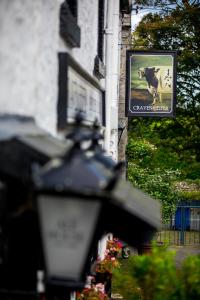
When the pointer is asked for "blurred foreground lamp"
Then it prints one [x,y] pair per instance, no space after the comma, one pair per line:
[80,196]
[135,215]
[70,206]
[68,225]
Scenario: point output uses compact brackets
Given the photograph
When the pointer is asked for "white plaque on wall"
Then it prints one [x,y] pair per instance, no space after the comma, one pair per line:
[84,97]
[78,92]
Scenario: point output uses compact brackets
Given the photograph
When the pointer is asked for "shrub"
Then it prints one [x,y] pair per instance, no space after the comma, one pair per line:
[140,150]
[91,294]
[156,277]
[190,277]
[158,184]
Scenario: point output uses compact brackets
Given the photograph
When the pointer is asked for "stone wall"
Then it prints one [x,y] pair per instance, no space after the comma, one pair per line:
[123,121]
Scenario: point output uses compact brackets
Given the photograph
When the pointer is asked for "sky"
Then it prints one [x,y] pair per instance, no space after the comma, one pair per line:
[135,18]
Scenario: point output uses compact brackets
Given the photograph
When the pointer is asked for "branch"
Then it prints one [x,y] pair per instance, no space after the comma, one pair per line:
[187,76]
[186,83]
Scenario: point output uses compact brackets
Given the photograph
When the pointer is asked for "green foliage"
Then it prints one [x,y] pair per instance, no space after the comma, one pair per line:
[140,150]
[124,284]
[91,294]
[180,136]
[190,277]
[156,183]
[163,151]
[189,195]
[155,277]
[164,158]
[176,28]
[193,171]
[159,155]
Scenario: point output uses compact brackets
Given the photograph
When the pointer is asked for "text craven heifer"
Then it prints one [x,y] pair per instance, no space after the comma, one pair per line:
[151,83]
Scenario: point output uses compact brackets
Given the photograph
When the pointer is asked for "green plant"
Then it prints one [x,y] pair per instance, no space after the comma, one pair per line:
[158,184]
[110,261]
[156,277]
[190,195]
[113,247]
[190,277]
[140,150]
[107,265]
[91,294]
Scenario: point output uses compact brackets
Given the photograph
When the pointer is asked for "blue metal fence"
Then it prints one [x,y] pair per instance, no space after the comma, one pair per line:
[184,228]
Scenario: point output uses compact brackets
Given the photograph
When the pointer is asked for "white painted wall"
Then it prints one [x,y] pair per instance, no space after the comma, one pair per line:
[30,42]
[28,59]
[88,22]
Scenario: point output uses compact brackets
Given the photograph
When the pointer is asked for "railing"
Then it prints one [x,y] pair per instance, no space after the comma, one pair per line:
[184,228]
[180,235]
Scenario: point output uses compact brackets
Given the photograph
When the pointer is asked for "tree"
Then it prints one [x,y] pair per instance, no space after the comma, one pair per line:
[173,25]
[176,27]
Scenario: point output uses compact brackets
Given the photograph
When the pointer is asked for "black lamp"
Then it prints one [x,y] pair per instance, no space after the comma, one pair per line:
[80,196]
[70,201]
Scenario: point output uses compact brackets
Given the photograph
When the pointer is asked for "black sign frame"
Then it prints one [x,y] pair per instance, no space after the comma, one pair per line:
[147,96]
[67,63]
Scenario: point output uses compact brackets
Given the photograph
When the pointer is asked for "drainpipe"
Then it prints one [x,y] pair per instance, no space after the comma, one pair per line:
[108,61]
[111,87]
[112,76]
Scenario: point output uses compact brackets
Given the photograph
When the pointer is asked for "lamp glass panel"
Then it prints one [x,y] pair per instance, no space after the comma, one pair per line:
[67,227]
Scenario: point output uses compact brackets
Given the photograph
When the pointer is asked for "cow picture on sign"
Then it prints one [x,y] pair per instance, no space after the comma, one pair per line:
[151,80]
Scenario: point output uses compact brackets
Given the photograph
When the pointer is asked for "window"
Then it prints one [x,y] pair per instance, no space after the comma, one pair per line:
[101,30]
[69,29]
[99,68]
[72,4]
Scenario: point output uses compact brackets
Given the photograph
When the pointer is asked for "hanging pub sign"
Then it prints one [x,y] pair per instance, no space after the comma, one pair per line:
[78,92]
[151,83]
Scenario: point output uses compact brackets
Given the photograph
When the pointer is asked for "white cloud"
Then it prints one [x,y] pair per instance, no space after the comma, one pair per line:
[135,19]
